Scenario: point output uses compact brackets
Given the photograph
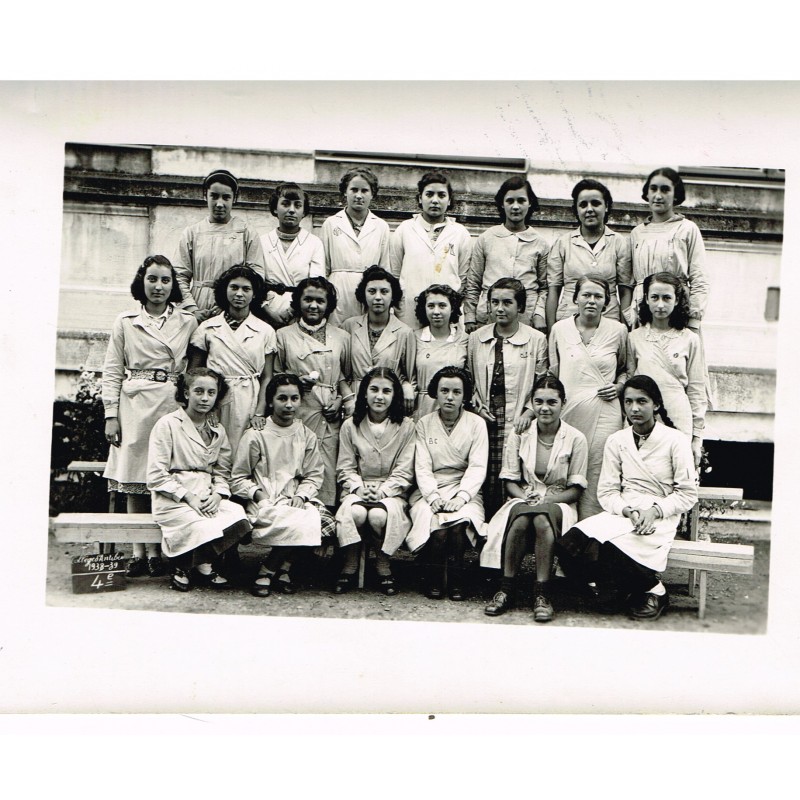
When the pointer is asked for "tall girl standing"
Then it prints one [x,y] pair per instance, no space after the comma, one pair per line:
[146,351]
[291,253]
[239,345]
[353,239]
[430,247]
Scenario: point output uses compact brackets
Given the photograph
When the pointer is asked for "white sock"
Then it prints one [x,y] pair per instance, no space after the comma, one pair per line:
[204,569]
[659,590]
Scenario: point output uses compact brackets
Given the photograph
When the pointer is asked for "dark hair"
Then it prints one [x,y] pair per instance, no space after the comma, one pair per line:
[292,192]
[396,407]
[443,289]
[591,277]
[435,177]
[137,285]
[679,317]
[241,271]
[359,172]
[377,273]
[548,381]
[586,185]
[221,176]
[185,381]
[677,182]
[644,383]
[517,182]
[315,282]
[520,295]
[278,380]
[453,372]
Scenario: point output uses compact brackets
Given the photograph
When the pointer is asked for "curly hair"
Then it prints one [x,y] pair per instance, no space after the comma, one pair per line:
[679,318]
[315,282]
[291,191]
[137,285]
[589,184]
[644,383]
[516,182]
[677,182]
[378,273]
[520,295]
[241,271]
[278,380]
[453,372]
[359,172]
[186,379]
[396,407]
[453,297]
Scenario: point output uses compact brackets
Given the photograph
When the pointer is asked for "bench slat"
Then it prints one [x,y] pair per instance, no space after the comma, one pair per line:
[86,466]
[88,528]
[719,493]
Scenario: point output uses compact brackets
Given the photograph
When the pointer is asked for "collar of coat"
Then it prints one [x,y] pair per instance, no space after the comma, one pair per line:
[576,234]
[501,232]
[252,322]
[138,320]
[523,335]
[673,218]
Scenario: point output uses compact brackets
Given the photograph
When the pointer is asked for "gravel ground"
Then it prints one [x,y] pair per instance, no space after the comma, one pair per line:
[736,603]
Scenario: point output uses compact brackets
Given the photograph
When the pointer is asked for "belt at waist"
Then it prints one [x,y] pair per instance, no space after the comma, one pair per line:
[239,378]
[158,375]
[203,284]
[206,471]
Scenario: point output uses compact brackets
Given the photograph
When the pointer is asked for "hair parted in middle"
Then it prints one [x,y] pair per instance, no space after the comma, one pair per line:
[679,318]
[548,381]
[275,383]
[378,273]
[256,281]
[674,177]
[186,379]
[314,282]
[589,184]
[137,285]
[644,383]
[453,372]
[453,297]
[396,407]
[359,172]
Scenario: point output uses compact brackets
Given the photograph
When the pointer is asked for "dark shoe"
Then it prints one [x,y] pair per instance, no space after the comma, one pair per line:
[456,593]
[434,578]
[650,607]
[609,601]
[181,581]
[542,609]
[261,589]
[213,580]
[387,585]
[344,583]
[284,583]
[137,567]
[155,567]
[499,604]
[434,592]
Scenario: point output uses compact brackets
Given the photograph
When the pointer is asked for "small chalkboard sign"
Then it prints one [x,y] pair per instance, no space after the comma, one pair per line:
[100,572]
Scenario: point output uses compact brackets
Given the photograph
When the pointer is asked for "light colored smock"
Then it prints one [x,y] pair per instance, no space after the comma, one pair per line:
[447,465]
[432,355]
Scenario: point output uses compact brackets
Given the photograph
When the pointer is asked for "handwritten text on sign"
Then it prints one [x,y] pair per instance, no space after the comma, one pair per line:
[102,572]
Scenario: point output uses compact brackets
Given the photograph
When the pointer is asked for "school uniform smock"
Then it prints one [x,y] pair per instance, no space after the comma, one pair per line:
[674,360]
[421,254]
[304,258]
[583,369]
[566,467]
[282,462]
[179,462]
[239,356]
[501,253]
[206,249]
[141,342]
[661,472]
[301,353]
[432,355]
[674,246]
[385,461]
[347,255]
[571,257]
[396,348]
[447,465]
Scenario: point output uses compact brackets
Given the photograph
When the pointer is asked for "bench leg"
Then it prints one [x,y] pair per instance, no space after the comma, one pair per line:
[692,581]
[701,609]
[362,563]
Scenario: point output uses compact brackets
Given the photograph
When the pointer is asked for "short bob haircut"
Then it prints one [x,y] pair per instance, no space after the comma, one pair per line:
[677,182]
[520,294]
[644,383]
[512,184]
[453,372]
[679,318]
[378,273]
[396,407]
[240,271]
[186,379]
[590,277]
[548,381]
[443,289]
[436,177]
[291,191]
[278,380]
[587,185]
[224,177]
[315,282]
[359,172]
[137,285]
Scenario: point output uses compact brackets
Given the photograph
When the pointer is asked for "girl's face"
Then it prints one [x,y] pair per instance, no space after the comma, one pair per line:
[450,395]
[239,293]
[313,305]
[157,284]
[219,197]
[547,405]
[289,212]
[438,310]
[591,300]
[201,395]
[380,393]
[503,307]
[379,296]
[639,408]
[661,300]
[516,206]
[285,404]
[435,200]
[358,195]
[591,209]
[661,197]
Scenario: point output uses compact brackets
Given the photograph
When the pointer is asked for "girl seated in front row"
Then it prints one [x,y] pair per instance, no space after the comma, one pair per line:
[189,466]
[376,470]
[279,470]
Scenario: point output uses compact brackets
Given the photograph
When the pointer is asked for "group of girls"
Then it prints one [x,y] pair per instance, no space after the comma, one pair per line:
[406,423]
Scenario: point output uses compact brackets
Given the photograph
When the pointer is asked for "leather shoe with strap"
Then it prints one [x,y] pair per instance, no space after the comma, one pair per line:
[542,609]
[499,604]
[651,606]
